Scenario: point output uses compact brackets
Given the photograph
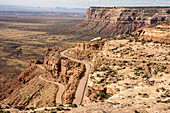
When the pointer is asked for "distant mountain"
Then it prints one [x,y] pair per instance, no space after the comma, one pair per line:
[71,9]
[57,9]
[9,8]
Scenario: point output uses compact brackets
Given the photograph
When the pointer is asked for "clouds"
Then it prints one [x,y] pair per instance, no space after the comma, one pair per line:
[85,3]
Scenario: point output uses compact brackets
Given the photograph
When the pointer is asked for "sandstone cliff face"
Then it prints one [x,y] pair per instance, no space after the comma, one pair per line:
[160,33]
[86,51]
[111,21]
[89,46]
[64,71]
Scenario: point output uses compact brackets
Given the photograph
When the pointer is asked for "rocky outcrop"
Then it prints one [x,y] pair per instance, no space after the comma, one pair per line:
[33,62]
[160,33]
[111,21]
[27,90]
[89,46]
[64,71]
[87,50]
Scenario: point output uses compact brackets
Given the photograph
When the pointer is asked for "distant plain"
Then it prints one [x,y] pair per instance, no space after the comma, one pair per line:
[26,37]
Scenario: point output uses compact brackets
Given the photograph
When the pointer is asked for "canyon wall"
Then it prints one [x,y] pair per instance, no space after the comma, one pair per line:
[160,33]
[30,90]
[111,21]
[63,71]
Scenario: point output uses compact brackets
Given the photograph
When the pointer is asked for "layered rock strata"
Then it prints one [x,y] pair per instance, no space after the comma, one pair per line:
[64,71]
[111,21]
[160,33]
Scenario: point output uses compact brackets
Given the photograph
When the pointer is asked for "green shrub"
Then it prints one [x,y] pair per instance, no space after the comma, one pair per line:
[92,77]
[98,82]
[102,100]
[136,111]
[139,68]
[125,61]
[74,105]
[143,61]
[155,72]
[98,75]
[163,67]
[32,108]
[166,101]
[145,95]
[156,42]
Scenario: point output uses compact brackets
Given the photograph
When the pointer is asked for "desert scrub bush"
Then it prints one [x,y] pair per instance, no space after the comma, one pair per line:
[113,38]
[137,74]
[163,68]
[130,40]
[89,90]
[138,68]
[95,69]
[74,105]
[167,72]
[8,104]
[139,93]
[103,69]
[95,97]
[136,111]
[98,82]
[143,61]
[102,100]
[155,72]
[156,42]
[151,82]
[166,22]
[98,75]
[53,102]
[113,64]
[146,76]
[166,101]
[92,77]
[32,108]
[107,83]
[125,61]
[112,75]
[106,76]
[143,41]
[1,111]
[145,95]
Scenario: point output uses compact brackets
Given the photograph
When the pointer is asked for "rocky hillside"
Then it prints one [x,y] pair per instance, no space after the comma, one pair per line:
[160,33]
[127,75]
[64,71]
[28,90]
[111,21]
[35,87]
[124,74]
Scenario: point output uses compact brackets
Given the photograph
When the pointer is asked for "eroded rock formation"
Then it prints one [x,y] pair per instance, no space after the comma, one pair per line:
[111,21]
[160,33]
[64,71]
[30,90]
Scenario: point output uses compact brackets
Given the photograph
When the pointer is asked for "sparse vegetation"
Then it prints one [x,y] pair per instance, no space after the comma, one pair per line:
[139,68]
[75,105]
[126,68]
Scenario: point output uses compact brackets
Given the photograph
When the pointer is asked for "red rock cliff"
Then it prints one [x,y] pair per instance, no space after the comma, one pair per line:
[110,21]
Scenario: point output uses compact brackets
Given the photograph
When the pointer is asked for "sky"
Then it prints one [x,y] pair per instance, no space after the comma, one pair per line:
[84,3]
